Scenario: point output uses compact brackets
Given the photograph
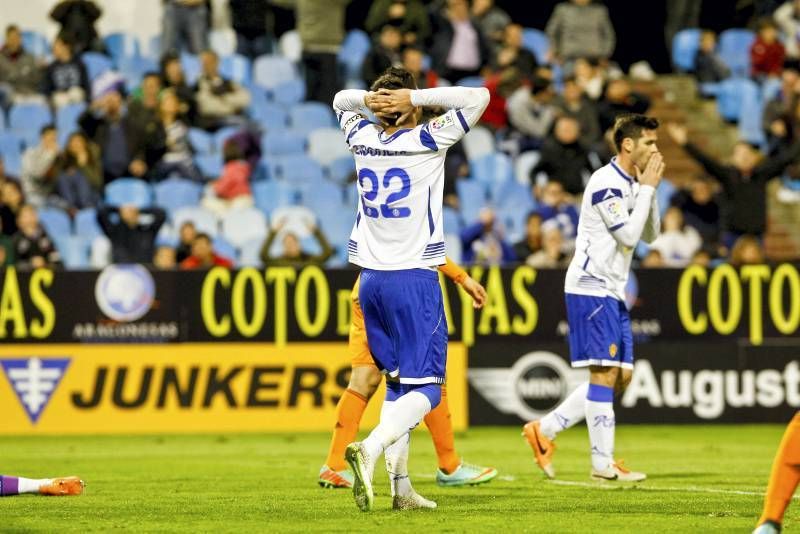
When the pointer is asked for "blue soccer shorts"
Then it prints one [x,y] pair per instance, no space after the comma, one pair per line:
[599,332]
[405,323]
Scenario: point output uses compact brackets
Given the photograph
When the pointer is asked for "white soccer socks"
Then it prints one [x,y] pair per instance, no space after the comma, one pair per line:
[601,424]
[570,412]
[397,466]
[397,418]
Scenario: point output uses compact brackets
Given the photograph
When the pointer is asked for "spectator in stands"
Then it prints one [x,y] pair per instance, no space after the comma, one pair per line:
[144,101]
[185,26]
[77,19]
[501,86]
[681,14]
[164,259]
[459,49]
[3,176]
[678,242]
[620,99]
[708,65]
[173,77]
[413,63]
[20,75]
[511,53]
[321,26]
[532,242]
[787,17]
[252,22]
[573,103]
[11,201]
[744,182]
[747,250]
[483,243]
[581,29]
[654,259]
[79,174]
[700,210]
[203,255]
[177,157]
[33,248]
[702,257]
[408,16]
[65,80]
[531,112]
[7,253]
[186,235]
[293,253]
[590,77]
[777,117]
[551,255]
[38,172]
[126,149]
[492,21]
[232,190]
[132,231]
[563,159]
[220,102]
[767,52]
[387,52]
[555,207]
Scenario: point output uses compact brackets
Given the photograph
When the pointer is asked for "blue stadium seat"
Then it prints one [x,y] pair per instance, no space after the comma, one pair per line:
[204,221]
[326,145]
[453,247]
[271,70]
[55,221]
[271,117]
[291,46]
[175,193]
[341,169]
[684,49]
[129,191]
[524,164]
[2,121]
[75,251]
[733,93]
[478,142]
[750,115]
[452,220]
[289,92]
[354,49]
[26,120]
[202,142]
[296,168]
[241,226]
[235,67]
[283,142]
[492,168]
[470,81]
[222,247]
[11,151]
[96,64]
[734,49]
[122,46]
[35,43]
[324,196]
[537,42]
[515,202]
[190,64]
[210,165]
[134,69]
[154,47]
[309,116]
[86,224]
[67,118]
[270,195]
[471,197]
[250,254]
[222,41]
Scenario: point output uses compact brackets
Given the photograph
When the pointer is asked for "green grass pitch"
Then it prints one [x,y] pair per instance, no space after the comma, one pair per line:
[702,479]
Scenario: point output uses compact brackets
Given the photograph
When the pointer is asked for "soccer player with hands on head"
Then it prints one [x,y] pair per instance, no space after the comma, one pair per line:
[398,241]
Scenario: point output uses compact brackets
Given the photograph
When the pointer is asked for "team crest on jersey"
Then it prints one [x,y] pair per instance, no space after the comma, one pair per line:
[440,122]
[612,350]
[614,208]
[34,381]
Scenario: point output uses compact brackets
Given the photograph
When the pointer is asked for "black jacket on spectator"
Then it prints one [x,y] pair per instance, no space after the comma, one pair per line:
[250,18]
[378,60]
[26,248]
[131,245]
[565,164]
[705,218]
[64,76]
[77,18]
[608,111]
[745,209]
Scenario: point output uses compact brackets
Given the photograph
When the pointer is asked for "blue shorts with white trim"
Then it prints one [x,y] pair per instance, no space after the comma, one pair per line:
[599,332]
[405,323]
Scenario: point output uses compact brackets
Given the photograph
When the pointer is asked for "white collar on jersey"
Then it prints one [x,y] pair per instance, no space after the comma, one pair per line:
[619,170]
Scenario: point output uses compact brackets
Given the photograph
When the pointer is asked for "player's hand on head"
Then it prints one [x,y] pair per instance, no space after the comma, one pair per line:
[476,291]
[653,171]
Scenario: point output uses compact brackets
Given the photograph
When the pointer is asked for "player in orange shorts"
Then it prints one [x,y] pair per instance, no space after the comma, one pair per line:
[783,480]
[364,381]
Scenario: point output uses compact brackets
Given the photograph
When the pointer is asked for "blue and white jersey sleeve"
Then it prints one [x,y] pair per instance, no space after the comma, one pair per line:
[610,205]
[626,227]
[465,106]
[349,108]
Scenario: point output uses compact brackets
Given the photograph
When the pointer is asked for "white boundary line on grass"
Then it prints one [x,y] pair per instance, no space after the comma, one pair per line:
[644,487]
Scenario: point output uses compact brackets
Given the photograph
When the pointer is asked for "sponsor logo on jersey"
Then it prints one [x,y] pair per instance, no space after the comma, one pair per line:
[442,121]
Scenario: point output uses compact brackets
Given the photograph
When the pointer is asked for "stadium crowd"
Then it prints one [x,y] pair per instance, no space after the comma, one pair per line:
[209,150]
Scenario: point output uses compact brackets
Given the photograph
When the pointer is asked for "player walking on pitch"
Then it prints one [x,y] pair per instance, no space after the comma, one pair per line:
[618,209]
[398,240]
[783,480]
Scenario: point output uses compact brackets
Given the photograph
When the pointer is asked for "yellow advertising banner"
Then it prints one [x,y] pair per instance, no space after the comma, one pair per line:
[209,387]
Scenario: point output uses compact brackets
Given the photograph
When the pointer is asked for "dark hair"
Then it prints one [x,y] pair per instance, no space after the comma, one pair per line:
[766,22]
[46,128]
[631,126]
[203,235]
[151,74]
[12,28]
[391,79]
[231,151]
[533,215]
[539,84]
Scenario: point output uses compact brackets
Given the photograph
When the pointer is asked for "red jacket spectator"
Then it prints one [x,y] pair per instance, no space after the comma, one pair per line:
[234,181]
[203,255]
[193,262]
[767,53]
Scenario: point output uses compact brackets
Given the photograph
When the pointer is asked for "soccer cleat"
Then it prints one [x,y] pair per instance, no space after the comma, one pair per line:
[360,464]
[411,502]
[618,472]
[63,486]
[768,527]
[466,475]
[543,448]
[328,478]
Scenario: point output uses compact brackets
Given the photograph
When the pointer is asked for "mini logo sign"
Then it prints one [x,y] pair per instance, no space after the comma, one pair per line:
[125,293]
[34,380]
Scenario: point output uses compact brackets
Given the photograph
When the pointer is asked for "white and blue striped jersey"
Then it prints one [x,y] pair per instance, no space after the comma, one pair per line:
[616,212]
[400,183]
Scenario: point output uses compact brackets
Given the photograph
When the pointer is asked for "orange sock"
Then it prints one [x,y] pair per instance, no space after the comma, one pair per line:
[348,416]
[785,474]
[441,428]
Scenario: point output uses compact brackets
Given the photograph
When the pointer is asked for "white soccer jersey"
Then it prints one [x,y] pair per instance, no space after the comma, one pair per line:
[401,178]
[615,213]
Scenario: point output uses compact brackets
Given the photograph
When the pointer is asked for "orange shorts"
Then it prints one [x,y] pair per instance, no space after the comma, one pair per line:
[360,355]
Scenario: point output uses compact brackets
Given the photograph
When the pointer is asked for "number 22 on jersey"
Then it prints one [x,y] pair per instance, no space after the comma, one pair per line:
[391,179]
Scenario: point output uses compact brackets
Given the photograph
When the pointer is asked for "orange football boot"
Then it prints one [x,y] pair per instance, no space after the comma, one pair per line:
[63,486]
[543,448]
